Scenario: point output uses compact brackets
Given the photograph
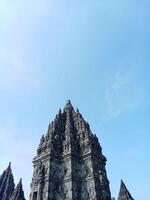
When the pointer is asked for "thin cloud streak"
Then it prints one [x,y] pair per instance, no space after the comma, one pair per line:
[17,68]
[123,94]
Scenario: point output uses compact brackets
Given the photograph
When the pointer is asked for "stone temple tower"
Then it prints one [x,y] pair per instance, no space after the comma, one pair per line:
[69,164]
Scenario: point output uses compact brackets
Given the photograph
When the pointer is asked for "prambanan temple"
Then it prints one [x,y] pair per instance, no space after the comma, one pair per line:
[69,164]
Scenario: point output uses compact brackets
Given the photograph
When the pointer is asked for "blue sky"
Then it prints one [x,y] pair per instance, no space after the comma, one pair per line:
[95,53]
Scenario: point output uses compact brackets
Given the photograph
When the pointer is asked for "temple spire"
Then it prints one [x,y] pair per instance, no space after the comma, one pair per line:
[124,194]
[18,193]
[6,184]
[69,101]
[72,164]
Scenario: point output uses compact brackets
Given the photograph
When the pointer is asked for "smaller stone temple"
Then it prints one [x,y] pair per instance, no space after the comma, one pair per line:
[7,186]
[18,193]
[124,194]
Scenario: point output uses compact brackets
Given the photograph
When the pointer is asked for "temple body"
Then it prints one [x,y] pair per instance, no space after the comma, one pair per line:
[69,164]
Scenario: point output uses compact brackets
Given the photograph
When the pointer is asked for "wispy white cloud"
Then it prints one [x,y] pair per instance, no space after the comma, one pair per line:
[17,21]
[123,93]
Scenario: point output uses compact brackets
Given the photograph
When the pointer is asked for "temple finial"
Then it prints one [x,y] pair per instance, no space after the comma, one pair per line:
[42,139]
[20,181]
[9,165]
[77,110]
[68,101]
[59,112]
[68,106]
